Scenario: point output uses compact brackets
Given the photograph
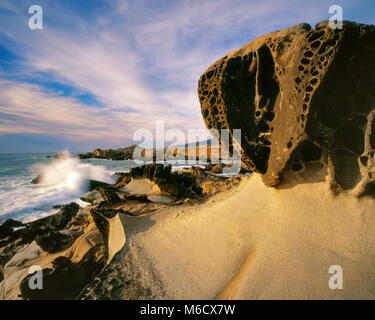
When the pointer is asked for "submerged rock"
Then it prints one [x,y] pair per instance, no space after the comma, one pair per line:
[300,95]
[36,180]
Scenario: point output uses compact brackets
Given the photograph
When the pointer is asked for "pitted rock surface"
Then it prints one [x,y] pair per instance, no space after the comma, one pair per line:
[299,95]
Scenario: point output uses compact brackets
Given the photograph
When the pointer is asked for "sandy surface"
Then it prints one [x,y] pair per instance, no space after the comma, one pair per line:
[251,242]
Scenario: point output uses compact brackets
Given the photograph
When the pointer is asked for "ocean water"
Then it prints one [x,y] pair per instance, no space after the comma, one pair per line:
[64,180]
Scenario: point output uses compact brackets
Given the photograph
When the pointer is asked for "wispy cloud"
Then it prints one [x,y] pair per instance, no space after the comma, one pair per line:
[140,60]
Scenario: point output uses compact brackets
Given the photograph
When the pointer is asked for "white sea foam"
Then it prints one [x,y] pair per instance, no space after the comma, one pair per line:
[63,180]
[68,174]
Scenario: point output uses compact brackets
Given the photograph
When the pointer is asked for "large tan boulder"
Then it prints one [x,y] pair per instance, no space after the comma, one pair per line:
[299,95]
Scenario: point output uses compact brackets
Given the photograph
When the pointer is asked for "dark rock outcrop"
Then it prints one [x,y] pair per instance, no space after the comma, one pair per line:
[122,179]
[113,154]
[93,184]
[45,231]
[175,184]
[6,228]
[36,180]
[53,241]
[63,280]
[55,222]
[300,95]
[70,253]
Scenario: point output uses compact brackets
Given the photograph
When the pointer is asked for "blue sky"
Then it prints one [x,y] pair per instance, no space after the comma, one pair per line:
[99,70]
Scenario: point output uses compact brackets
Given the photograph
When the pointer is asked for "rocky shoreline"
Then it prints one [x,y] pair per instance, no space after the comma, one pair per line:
[304,100]
[73,246]
[110,154]
[187,152]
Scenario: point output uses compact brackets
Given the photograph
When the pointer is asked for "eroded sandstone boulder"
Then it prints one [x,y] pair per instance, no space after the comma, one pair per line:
[300,95]
[69,258]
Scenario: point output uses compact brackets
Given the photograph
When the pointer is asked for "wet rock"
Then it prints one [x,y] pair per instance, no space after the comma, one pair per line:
[36,180]
[299,95]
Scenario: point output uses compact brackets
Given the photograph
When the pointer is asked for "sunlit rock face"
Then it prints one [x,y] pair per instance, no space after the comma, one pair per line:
[299,95]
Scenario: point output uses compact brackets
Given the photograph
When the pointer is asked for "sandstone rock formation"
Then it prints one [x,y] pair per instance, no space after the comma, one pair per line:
[71,248]
[157,182]
[176,184]
[300,95]
[74,245]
